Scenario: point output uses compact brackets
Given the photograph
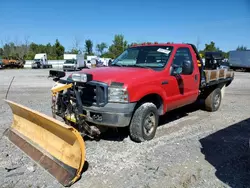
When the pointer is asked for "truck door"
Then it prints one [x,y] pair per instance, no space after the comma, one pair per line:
[184,86]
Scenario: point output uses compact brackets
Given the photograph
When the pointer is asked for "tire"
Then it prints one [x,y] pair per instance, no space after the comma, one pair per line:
[137,129]
[213,100]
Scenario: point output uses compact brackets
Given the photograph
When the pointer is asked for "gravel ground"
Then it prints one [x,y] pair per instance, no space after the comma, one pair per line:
[192,148]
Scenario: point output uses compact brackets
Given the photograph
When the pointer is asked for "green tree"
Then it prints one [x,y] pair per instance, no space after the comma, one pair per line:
[49,49]
[59,49]
[1,52]
[211,47]
[225,54]
[89,47]
[241,48]
[118,46]
[100,47]
[107,55]
[33,47]
[9,50]
[30,55]
[75,51]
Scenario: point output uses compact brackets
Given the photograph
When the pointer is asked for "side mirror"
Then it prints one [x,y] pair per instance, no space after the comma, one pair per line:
[187,67]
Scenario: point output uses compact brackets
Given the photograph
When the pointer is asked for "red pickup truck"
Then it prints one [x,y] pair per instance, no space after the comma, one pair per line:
[143,83]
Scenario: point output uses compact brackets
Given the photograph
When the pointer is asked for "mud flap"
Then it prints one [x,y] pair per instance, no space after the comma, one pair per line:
[57,147]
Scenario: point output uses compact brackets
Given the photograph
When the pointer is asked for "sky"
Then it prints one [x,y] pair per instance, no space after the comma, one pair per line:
[226,22]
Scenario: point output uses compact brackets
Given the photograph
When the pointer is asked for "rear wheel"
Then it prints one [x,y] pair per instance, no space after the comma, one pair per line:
[144,123]
[213,100]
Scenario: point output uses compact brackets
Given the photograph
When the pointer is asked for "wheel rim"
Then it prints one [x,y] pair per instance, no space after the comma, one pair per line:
[217,101]
[149,124]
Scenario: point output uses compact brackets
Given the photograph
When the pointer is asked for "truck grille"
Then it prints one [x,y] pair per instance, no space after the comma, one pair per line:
[94,93]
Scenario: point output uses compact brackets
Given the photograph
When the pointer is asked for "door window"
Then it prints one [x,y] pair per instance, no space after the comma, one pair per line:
[183,58]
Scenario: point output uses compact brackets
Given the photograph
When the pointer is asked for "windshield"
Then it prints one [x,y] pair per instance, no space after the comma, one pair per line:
[70,61]
[144,56]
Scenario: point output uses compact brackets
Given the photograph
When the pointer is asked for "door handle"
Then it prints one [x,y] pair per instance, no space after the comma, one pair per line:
[164,82]
[196,77]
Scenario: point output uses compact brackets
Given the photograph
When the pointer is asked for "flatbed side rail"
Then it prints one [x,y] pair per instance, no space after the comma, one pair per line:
[218,76]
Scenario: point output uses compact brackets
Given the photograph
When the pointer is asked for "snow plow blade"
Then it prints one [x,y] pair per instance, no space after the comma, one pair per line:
[57,147]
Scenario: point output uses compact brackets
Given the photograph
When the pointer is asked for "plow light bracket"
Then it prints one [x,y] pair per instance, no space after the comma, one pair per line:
[81,77]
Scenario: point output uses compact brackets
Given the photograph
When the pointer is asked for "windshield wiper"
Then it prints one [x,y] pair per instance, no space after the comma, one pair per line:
[136,65]
[117,65]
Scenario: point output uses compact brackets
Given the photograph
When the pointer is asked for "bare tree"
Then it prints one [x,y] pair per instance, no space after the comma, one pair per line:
[26,44]
[8,47]
[19,48]
[198,43]
[76,45]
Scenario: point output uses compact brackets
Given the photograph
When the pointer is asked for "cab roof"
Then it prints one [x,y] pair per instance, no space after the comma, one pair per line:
[162,44]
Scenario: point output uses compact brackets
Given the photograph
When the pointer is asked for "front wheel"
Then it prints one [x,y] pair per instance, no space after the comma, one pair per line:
[144,123]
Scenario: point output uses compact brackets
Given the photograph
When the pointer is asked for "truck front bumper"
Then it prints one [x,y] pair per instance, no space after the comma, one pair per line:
[112,114]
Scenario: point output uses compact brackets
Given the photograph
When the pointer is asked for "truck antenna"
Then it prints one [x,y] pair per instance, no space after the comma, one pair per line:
[9,88]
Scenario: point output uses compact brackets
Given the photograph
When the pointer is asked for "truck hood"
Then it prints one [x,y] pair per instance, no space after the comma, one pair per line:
[125,75]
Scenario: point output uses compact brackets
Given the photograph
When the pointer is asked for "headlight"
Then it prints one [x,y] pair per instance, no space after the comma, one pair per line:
[117,94]
[81,77]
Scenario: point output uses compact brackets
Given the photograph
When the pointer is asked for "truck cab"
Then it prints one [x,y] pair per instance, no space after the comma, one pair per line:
[40,61]
[74,62]
[143,83]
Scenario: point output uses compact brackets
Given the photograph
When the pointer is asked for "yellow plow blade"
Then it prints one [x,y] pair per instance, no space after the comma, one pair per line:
[57,147]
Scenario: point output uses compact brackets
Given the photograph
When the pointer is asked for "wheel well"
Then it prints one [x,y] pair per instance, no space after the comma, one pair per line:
[155,99]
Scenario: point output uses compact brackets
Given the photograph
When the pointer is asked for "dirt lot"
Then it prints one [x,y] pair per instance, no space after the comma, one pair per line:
[192,148]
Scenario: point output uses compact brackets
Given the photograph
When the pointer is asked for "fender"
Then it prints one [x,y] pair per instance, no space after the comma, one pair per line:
[138,94]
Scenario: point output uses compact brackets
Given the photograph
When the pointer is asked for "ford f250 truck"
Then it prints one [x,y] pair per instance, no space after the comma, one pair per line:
[144,82]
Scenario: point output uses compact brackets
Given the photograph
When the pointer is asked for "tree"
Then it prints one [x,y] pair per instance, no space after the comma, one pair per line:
[75,51]
[25,50]
[100,47]
[22,48]
[76,46]
[198,43]
[89,47]
[118,46]
[241,48]
[9,50]
[107,55]
[225,54]
[59,49]
[211,47]
[1,52]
